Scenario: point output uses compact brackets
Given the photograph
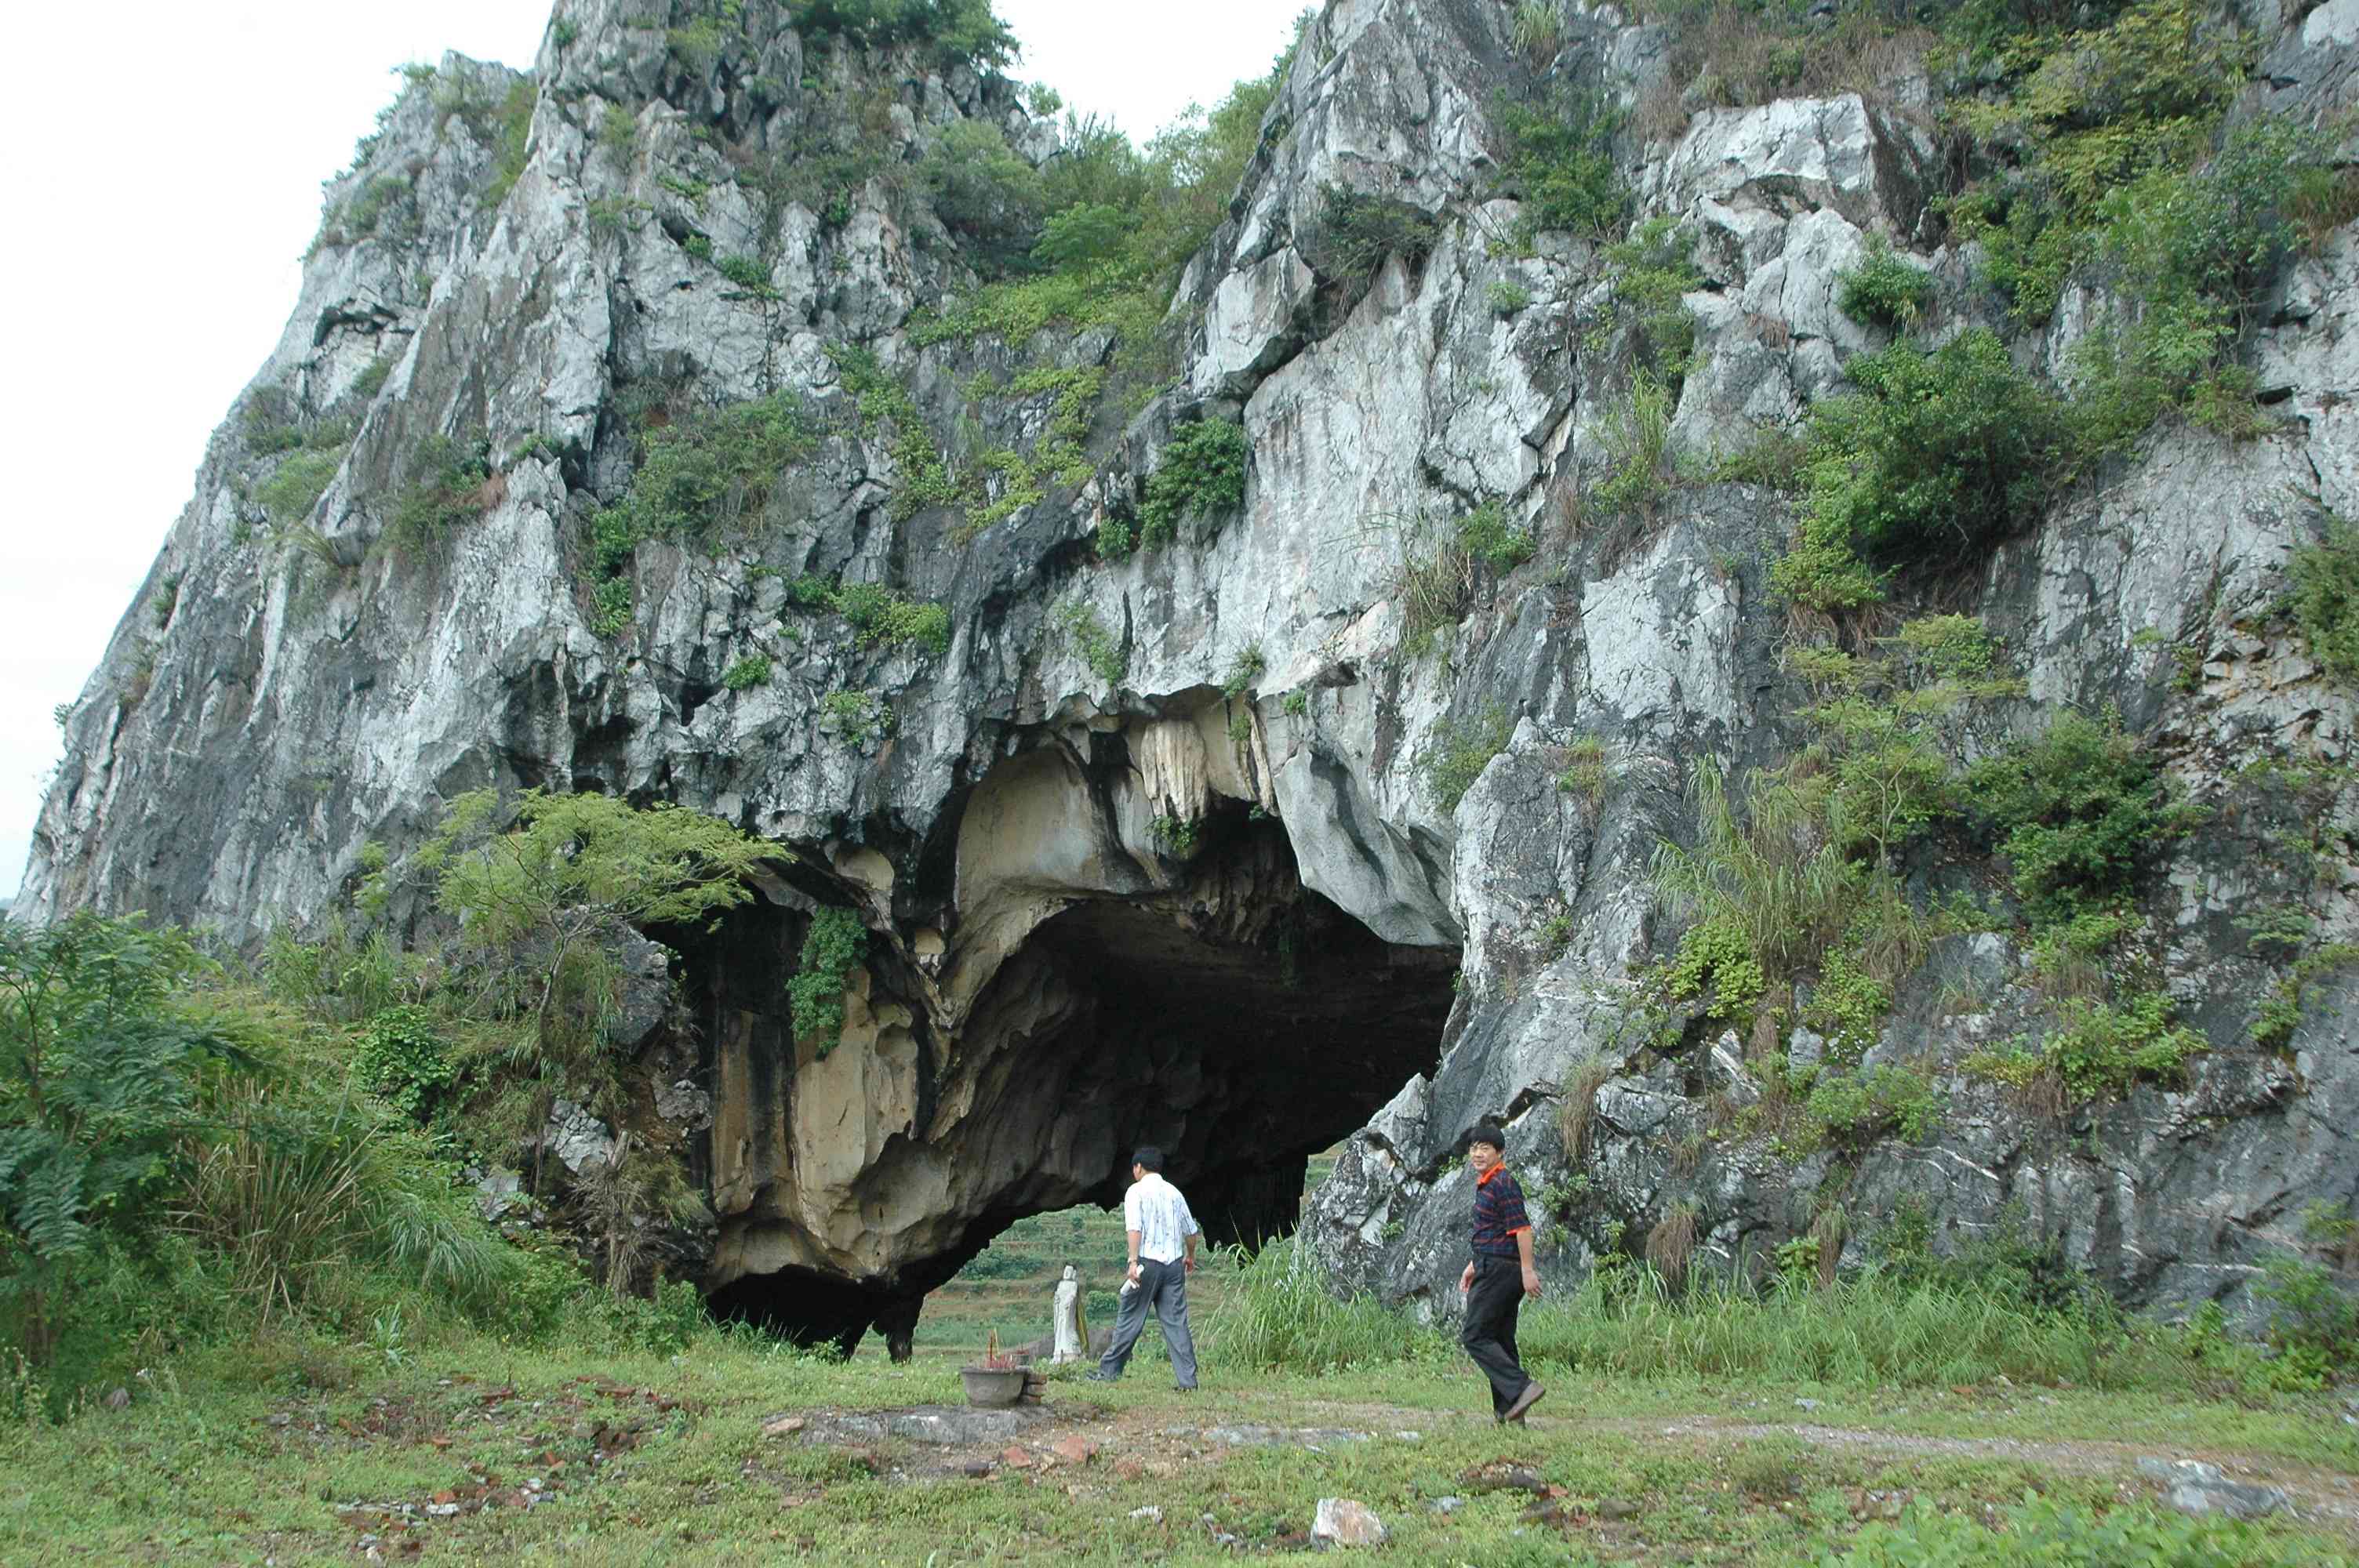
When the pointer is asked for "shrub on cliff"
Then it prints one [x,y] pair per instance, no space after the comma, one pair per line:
[983,191]
[536,883]
[2077,812]
[1558,160]
[1203,474]
[963,32]
[2324,601]
[1355,231]
[835,943]
[1938,455]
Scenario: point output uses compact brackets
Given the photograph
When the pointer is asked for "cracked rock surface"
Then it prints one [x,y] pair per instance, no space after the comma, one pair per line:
[1052,976]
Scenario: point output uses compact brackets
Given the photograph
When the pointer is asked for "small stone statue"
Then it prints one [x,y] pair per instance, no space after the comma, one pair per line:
[1073,1335]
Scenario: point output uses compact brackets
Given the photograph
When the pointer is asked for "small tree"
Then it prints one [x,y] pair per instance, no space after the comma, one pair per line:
[538,893]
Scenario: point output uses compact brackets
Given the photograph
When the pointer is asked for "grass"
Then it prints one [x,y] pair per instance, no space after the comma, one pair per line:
[296,1450]
[1675,1432]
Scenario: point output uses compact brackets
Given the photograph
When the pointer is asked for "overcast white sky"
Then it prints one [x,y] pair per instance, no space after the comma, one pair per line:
[167,158]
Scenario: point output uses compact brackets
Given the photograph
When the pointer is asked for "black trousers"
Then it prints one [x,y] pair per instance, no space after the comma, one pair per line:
[1490,1332]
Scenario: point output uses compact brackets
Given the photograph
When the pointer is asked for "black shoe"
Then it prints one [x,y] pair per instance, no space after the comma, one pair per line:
[1183,1388]
[1099,1378]
[1524,1402]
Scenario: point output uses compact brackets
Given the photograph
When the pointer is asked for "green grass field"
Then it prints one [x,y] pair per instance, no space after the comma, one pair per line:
[303,1454]
[1876,1424]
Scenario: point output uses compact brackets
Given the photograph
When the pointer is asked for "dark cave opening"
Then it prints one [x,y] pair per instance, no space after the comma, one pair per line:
[1238,1020]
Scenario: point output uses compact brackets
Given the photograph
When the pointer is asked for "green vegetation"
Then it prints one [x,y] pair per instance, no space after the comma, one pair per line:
[700,475]
[1803,887]
[646,1421]
[2314,1324]
[1280,1315]
[1646,320]
[1637,435]
[1176,837]
[2105,149]
[618,133]
[1800,882]
[1203,474]
[401,1058]
[2099,152]
[176,1171]
[882,405]
[1586,771]
[1107,656]
[746,673]
[296,486]
[1244,672]
[2097,1049]
[1115,223]
[1461,748]
[511,133]
[1507,296]
[879,617]
[1559,161]
[750,274]
[955,32]
[987,194]
[371,379]
[854,718]
[2282,1010]
[2324,599]
[2042,1530]
[1938,455]
[456,486]
[2092,112]
[674,1445]
[2077,812]
[1884,290]
[1355,231]
[100,1081]
[1487,534]
[2193,250]
[834,946]
[1436,591]
[194,1163]
[1060,454]
[360,217]
[543,885]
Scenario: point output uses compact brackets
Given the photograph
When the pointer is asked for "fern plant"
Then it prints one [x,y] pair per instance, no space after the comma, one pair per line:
[99,1080]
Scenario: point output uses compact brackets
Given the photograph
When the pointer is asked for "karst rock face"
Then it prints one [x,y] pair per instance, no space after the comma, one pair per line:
[1157,847]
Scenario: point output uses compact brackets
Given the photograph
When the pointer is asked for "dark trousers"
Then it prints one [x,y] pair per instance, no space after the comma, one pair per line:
[1490,1332]
[1164,1287]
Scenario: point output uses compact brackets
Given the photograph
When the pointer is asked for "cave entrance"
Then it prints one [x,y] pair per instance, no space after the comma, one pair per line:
[1219,1010]
[1241,1040]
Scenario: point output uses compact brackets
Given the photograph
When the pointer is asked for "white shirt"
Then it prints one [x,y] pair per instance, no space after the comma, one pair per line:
[1154,1208]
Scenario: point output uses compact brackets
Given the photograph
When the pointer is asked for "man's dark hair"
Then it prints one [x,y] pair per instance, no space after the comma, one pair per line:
[1149,1156]
[1483,1133]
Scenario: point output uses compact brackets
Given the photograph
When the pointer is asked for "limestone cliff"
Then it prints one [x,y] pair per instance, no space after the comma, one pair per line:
[1157,844]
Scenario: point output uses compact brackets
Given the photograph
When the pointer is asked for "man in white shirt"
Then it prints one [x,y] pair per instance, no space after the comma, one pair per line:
[1162,1255]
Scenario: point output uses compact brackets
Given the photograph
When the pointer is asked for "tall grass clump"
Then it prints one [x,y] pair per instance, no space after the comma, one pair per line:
[1875,1330]
[1280,1316]
[313,1202]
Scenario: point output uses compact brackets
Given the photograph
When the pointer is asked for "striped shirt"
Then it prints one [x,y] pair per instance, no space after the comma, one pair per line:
[1498,1214]
[1154,1208]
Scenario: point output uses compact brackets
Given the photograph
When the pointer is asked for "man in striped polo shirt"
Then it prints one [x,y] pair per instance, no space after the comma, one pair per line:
[1162,1255]
[1500,1275]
